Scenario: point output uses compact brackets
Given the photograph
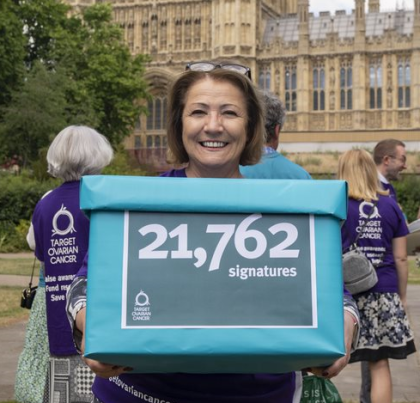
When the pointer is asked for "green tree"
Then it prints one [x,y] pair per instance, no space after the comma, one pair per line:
[89,77]
[36,113]
[100,62]
[44,21]
[12,50]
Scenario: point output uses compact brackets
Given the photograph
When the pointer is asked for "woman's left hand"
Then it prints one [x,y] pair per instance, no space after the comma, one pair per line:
[338,365]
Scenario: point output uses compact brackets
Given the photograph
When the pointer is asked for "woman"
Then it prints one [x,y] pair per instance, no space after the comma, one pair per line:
[215,124]
[31,373]
[61,240]
[385,332]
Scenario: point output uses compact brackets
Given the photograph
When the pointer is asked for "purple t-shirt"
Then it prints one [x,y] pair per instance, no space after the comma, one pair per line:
[61,236]
[386,223]
[392,192]
[196,388]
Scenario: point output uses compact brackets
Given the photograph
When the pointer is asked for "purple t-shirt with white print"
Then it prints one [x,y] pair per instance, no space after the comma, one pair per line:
[386,223]
[197,388]
[61,235]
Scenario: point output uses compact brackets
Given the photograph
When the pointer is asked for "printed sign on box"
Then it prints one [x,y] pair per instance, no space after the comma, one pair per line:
[205,257]
[207,275]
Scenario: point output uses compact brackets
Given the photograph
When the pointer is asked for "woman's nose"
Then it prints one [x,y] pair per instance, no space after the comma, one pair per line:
[214,122]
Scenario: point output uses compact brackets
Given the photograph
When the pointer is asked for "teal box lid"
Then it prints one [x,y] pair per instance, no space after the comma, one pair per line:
[209,276]
[134,193]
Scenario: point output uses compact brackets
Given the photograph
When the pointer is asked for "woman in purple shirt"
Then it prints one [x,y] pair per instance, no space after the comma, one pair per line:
[215,124]
[385,332]
[61,240]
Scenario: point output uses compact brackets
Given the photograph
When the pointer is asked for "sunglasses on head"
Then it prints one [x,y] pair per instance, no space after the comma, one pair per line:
[209,66]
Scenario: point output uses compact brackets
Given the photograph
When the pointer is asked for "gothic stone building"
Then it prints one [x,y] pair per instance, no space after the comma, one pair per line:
[344,78]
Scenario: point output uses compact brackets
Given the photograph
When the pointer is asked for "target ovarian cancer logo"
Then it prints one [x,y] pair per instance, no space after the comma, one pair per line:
[141,309]
[63,248]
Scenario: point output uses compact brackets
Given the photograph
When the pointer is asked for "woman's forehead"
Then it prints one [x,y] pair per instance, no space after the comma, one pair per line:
[217,90]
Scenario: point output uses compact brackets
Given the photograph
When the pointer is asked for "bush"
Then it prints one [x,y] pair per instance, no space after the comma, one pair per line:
[122,165]
[19,195]
[408,192]
[13,238]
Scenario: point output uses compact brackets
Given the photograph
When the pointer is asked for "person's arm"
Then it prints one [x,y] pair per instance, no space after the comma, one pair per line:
[399,250]
[351,337]
[76,313]
[30,237]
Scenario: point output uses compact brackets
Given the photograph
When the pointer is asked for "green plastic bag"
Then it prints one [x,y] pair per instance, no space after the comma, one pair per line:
[319,390]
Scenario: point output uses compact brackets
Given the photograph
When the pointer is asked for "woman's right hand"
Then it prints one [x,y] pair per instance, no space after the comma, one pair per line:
[105,370]
[101,369]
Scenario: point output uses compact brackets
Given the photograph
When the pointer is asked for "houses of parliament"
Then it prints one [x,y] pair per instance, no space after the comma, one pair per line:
[343,77]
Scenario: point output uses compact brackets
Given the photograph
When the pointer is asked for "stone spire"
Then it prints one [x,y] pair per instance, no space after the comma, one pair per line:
[303,17]
[374,6]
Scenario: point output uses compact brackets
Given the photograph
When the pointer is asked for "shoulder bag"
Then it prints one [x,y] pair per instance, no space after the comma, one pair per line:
[28,294]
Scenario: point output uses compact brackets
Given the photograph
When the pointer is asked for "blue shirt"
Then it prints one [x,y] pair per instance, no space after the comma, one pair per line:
[273,165]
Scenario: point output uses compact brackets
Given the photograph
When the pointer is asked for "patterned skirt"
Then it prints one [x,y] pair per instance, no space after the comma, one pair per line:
[384,328]
[31,374]
[69,380]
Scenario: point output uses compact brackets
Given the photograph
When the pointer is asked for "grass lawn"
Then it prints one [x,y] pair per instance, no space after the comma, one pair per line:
[10,310]
[21,266]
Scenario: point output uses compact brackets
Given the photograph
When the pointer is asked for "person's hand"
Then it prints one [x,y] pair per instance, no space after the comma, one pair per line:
[338,365]
[105,370]
[101,369]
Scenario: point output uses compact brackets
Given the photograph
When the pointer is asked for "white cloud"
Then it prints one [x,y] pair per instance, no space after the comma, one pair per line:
[348,5]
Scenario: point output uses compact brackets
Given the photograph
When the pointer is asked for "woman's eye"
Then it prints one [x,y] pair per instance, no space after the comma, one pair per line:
[197,112]
[230,113]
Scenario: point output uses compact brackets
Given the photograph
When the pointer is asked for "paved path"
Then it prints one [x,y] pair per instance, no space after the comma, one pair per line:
[405,373]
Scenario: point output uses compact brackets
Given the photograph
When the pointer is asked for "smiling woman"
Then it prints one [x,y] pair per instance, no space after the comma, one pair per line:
[214,128]
[215,123]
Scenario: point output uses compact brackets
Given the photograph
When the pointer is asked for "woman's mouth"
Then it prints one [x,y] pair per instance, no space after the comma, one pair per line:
[213,144]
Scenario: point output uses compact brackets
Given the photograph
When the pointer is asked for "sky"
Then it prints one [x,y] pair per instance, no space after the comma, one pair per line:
[332,5]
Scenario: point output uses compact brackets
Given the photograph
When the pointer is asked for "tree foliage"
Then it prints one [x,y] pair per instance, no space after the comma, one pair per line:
[12,50]
[79,71]
[35,114]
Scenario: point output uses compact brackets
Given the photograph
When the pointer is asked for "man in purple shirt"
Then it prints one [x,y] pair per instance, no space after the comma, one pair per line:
[390,159]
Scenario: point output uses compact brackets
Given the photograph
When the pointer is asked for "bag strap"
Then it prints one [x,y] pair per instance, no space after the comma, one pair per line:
[32,274]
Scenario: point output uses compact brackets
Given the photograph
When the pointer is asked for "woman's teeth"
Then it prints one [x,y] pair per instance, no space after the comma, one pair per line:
[213,144]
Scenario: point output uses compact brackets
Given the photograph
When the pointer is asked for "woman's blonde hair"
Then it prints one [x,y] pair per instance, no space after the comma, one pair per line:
[359,170]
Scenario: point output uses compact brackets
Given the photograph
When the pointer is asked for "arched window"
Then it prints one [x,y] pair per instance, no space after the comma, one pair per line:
[404,81]
[318,79]
[264,78]
[290,88]
[375,84]
[346,84]
[156,119]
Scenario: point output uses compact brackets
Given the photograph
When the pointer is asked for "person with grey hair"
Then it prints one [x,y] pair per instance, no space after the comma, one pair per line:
[61,238]
[274,165]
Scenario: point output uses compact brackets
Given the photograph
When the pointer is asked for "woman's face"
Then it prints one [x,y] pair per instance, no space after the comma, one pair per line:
[214,129]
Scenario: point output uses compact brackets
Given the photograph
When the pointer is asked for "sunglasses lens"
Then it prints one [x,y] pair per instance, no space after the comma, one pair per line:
[209,66]
[235,67]
[201,66]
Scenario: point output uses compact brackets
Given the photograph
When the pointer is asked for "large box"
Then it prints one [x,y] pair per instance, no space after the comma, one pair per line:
[214,275]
